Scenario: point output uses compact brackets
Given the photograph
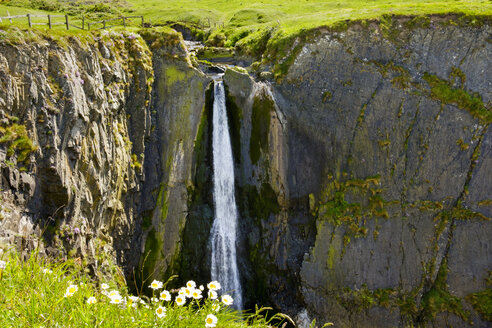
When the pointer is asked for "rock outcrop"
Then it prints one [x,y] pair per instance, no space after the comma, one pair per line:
[70,159]
[365,176]
[97,137]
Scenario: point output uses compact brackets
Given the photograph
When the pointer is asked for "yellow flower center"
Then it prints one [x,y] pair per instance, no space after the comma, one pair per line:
[71,290]
[159,310]
[210,320]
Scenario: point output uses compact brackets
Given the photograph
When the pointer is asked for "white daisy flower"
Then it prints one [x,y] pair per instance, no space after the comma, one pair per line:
[165,296]
[3,265]
[133,301]
[213,285]
[47,270]
[104,286]
[113,293]
[154,300]
[91,300]
[71,290]
[189,292]
[227,299]
[180,300]
[197,294]
[117,299]
[212,294]
[216,307]
[160,311]
[182,291]
[210,321]
[191,284]
[156,284]
[201,287]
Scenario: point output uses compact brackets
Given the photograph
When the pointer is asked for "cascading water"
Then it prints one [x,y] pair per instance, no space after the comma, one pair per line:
[223,233]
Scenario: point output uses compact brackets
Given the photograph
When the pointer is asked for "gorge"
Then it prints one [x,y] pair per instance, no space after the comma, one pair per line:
[362,161]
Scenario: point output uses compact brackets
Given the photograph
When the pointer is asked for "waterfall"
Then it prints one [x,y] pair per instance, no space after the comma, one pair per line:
[223,234]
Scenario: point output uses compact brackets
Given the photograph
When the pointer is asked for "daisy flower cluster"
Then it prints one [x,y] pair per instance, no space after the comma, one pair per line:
[192,292]
[188,295]
[69,298]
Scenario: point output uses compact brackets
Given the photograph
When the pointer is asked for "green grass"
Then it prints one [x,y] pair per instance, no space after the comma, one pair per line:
[254,27]
[293,15]
[245,16]
[33,295]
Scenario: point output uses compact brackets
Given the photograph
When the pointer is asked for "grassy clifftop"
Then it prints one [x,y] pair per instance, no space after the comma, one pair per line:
[268,27]
[251,25]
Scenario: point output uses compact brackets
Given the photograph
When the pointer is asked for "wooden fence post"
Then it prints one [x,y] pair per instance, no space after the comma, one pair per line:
[29,20]
[10,19]
[104,24]
[142,21]
[83,22]
[66,20]
[124,22]
[49,21]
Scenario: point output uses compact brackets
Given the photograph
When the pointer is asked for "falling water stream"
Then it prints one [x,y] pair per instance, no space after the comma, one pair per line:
[224,228]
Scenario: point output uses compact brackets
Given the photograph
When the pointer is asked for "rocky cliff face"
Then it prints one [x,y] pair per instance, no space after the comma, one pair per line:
[71,155]
[83,126]
[363,172]
[365,176]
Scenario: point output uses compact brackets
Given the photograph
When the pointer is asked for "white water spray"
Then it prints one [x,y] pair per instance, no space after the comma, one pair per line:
[224,228]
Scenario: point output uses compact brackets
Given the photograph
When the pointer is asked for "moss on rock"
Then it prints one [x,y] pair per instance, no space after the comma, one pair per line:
[438,299]
[260,121]
[17,140]
[443,91]
[235,117]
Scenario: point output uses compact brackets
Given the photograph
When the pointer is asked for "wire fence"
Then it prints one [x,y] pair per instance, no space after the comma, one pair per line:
[67,21]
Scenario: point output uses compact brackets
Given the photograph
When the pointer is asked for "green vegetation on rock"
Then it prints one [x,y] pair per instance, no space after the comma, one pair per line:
[438,299]
[334,207]
[260,121]
[447,94]
[235,117]
[482,303]
[17,141]
[262,204]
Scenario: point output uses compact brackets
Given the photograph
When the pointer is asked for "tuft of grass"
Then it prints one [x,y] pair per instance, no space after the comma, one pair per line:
[15,137]
[34,294]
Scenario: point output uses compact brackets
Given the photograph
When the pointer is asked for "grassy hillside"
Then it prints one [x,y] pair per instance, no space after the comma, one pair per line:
[250,22]
[295,14]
